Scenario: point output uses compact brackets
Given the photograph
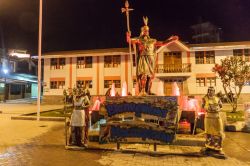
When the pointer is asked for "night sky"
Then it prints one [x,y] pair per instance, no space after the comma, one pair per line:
[92,24]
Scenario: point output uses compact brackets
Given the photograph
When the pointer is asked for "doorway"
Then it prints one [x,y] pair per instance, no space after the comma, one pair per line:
[171,85]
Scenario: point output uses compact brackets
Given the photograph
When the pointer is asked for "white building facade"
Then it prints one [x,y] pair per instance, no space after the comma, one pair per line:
[187,66]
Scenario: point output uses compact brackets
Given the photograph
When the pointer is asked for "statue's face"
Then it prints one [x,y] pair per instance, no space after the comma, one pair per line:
[146,33]
[211,93]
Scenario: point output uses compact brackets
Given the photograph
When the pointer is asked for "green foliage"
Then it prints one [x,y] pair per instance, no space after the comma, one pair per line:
[70,94]
[234,73]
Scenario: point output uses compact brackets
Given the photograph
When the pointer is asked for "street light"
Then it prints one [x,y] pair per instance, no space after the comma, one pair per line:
[5,71]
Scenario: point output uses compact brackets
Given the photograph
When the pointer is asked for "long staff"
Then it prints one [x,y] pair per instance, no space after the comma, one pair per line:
[126,10]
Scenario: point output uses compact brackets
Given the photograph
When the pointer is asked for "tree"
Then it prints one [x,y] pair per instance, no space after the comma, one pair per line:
[234,73]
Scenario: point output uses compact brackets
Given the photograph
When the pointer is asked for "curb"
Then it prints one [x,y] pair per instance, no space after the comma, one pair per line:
[246,130]
[149,152]
[58,119]
[189,142]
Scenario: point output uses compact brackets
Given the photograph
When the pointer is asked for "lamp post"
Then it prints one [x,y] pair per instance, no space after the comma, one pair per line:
[39,59]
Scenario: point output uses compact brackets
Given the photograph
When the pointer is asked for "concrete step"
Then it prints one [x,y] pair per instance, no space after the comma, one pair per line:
[181,140]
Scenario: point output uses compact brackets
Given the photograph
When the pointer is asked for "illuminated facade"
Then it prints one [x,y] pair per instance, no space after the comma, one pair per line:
[188,66]
[17,76]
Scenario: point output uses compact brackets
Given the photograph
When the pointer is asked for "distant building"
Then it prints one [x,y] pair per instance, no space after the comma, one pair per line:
[17,75]
[206,32]
[187,66]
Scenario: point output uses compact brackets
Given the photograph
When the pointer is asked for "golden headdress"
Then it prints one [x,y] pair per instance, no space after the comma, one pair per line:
[145,27]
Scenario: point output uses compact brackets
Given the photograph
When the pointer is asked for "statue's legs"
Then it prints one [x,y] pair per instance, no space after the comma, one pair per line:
[142,84]
[148,85]
[139,83]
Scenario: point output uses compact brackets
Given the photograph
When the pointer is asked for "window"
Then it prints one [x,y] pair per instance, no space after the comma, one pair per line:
[211,81]
[15,89]
[57,84]
[242,53]
[134,64]
[205,81]
[204,57]
[84,83]
[238,52]
[134,83]
[53,63]
[80,62]
[117,83]
[28,88]
[112,61]
[108,83]
[210,57]
[61,63]
[199,57]
[247,55]
[200,82]
[1,64]
[12,66]
[84,62]
[57,63]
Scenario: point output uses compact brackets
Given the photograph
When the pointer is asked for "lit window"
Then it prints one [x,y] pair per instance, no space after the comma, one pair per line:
[108,83]
[84,62]
[134,83]
[210,57]
[200,82]
[199,57]
[211,81]
[238,52]
[112,61]
[117,83]
[57,84]
[57,63]
[84,84]
[134,64]
[247,55]
[204,57]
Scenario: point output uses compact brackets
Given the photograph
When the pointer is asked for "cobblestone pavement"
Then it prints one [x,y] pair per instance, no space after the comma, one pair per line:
[48,150]
[137,159]
[169,156]
[237,145]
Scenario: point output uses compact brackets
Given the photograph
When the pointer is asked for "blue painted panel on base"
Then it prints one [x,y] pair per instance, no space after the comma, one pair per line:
[134,132]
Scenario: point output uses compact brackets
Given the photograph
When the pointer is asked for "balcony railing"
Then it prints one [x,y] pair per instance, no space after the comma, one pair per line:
[174,68]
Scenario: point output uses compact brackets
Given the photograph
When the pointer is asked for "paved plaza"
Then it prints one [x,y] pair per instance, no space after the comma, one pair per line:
[36,143]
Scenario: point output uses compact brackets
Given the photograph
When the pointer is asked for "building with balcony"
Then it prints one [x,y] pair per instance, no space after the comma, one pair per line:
[187,66]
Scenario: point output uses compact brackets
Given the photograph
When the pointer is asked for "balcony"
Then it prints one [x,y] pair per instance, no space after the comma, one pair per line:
[174,68]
